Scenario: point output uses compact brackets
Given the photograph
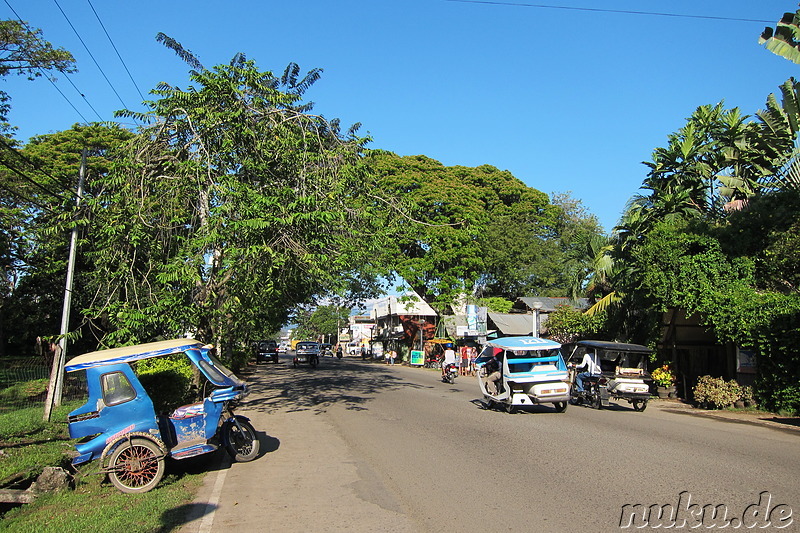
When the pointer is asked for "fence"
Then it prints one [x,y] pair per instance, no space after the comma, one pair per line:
[24,382]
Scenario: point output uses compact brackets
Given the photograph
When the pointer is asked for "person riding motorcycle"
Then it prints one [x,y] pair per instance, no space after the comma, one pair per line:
[449,358]
[591,361]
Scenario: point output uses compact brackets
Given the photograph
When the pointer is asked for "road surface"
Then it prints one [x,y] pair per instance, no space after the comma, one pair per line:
[359,446]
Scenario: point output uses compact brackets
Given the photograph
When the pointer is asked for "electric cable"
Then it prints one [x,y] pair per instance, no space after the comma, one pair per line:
[25,198]
[618,11]
[44,73]
[90,54]
[23,157]
[31,180]
[115,50]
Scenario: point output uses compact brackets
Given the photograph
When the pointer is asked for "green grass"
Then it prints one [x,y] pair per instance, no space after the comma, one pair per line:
[98,507]
[28,444]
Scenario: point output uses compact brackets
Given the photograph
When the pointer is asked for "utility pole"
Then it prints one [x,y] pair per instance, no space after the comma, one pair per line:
[55,389]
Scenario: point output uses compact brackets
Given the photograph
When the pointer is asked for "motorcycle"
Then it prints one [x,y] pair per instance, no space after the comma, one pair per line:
[450,374]
[532,372]
[594,393]
[119,425]
[624,374]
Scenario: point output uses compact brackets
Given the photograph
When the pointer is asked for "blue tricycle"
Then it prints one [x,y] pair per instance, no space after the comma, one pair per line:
[119,424]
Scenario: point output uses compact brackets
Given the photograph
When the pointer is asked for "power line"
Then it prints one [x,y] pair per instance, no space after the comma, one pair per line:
[90,54]
[115,49]
[618,11]
[24,176]
[34,165]
[44,73]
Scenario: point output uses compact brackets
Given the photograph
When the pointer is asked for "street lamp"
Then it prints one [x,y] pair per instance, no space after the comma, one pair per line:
[536,307]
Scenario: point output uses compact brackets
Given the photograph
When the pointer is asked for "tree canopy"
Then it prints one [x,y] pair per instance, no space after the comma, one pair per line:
[474,231]
[232,205]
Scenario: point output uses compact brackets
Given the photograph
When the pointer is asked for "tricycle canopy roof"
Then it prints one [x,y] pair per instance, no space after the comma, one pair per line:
[523,343]
[127,354]
[614,346]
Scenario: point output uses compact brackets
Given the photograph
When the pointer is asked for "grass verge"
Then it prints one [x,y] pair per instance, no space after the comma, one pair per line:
[28,444]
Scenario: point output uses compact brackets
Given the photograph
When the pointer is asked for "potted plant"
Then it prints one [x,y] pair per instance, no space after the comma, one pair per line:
[664,378]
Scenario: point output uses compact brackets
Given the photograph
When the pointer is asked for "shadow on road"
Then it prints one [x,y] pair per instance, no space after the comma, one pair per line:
[285,388]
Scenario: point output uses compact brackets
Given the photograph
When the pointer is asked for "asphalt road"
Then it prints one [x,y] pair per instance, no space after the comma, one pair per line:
[355,446]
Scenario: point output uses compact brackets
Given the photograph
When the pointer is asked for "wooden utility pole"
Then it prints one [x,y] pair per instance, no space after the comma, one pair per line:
[55,389]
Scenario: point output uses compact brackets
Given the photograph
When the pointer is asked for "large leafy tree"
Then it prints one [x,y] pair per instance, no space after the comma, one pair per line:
[23,51]
[39,207]
[232,205]
[321,322]
[468,230]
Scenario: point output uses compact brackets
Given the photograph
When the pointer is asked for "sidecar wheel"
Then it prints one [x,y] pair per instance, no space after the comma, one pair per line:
[560,406]
[510,408]
[242,445]
[136,466]
[640,405]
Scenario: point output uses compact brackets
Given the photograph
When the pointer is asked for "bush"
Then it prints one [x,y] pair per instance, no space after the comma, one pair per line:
[167,380]
[716,392]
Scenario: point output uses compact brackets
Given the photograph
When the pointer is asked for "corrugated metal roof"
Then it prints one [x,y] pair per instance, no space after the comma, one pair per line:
[512,324]
[551,304]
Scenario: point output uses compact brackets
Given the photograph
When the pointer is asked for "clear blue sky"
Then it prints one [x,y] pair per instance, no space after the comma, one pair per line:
[566,99]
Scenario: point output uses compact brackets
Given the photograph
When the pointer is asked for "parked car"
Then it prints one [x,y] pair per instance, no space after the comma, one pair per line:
[306,352]
[267,351]
[283,348]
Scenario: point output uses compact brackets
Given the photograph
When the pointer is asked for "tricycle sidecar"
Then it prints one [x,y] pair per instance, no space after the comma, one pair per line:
[624,371]
[119,424]
[306,352]
[532,371]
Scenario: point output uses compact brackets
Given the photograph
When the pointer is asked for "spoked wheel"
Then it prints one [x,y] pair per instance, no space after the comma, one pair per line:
[136,466]
[639,405]
[560,406]
[242,444]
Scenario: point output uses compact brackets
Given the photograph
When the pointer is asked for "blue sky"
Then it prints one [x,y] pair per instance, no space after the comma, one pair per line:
[568,100]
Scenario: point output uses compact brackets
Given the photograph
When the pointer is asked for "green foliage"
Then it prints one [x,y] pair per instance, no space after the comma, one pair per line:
[567,325]
[26,53]
[663,376]
[322,321]
[784,39]
[459,229]
[496,304]
[36,232]
[716,392]
[231,207]
[167,380]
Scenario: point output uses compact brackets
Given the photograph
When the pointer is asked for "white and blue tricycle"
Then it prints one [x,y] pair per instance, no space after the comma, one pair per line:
[532,371]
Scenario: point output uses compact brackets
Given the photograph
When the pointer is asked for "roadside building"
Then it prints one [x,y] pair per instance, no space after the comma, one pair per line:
[403,324]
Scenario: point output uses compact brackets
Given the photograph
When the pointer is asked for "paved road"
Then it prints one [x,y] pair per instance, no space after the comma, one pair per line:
[356,446]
